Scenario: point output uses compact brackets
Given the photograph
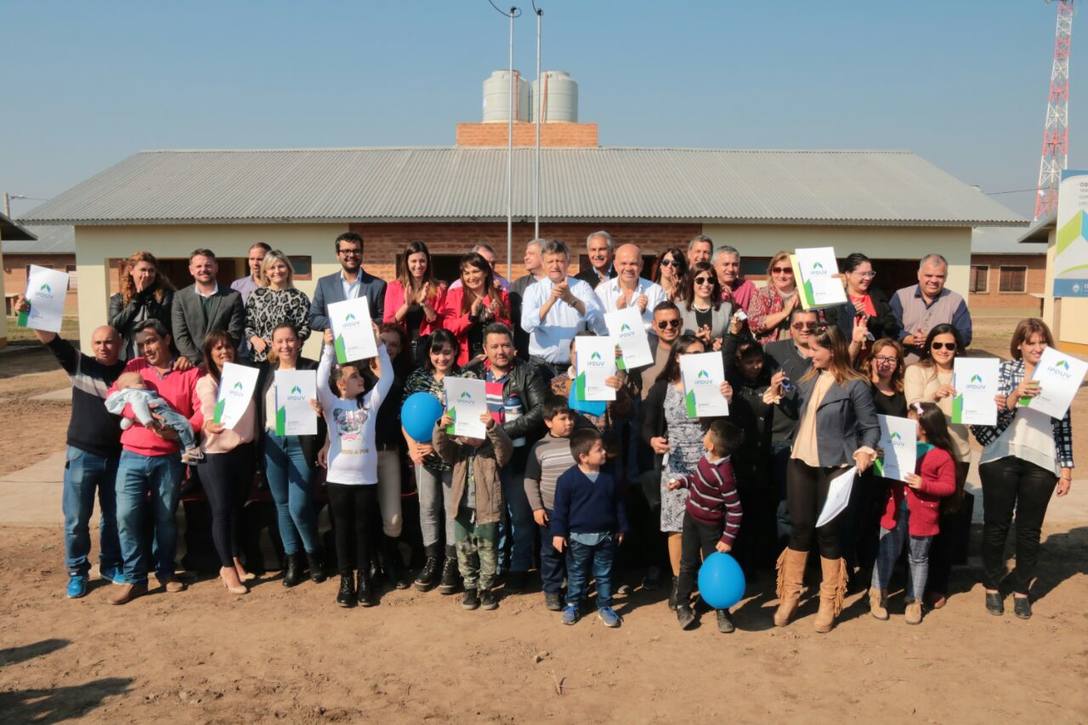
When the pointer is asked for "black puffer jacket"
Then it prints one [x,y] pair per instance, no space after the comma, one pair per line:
[525,382]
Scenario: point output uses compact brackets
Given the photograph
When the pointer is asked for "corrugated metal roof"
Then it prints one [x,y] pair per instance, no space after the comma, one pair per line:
[456,183]
[13,231]
[51,239]
[1039,231]
[1002,240]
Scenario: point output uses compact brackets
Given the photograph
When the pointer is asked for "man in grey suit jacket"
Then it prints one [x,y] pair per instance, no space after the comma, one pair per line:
[203,306]
[350,282]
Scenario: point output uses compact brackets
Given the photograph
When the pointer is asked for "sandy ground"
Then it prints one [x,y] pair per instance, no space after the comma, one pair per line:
[278,654]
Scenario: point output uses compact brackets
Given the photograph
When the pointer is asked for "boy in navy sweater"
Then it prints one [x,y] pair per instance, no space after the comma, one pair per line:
[712,515]
[589,522]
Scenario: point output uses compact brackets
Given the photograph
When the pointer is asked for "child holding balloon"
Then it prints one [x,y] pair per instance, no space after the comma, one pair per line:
[914,509]
[712,515]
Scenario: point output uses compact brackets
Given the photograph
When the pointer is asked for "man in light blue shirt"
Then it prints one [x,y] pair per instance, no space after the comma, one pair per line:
[556,308]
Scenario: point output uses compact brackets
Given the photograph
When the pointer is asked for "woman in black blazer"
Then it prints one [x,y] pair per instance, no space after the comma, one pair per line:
[863,302]
[837,426]
[702,310]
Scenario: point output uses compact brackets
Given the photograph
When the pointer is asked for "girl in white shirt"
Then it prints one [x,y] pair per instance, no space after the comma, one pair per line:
[351,457]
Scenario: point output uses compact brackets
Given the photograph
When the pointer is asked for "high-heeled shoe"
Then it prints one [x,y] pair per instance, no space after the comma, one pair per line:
[243,575]
[227,573]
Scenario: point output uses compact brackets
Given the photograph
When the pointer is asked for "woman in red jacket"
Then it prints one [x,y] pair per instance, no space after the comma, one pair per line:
[473,306]
[413,301]
[915,509]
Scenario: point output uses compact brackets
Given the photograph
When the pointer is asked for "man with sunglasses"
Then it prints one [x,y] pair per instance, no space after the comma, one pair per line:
[351,282]
[629,288]
[735,288]
[666,328]
[921,307]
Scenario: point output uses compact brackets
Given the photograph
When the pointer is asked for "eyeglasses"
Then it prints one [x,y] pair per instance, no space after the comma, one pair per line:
[810,326]
[886,359]
[782,270]
[669,263]
[950,346]
[668,324]
[703,280]
[866,275]
[349,252]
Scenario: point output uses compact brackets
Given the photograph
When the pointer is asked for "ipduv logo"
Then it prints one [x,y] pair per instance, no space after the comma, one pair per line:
[350,320]
[704,374]
[237,390]
[702,378]
[595,360]
[45,291]
[295,393]
[625,328]
[896,438]
[976,378]
[465,395]
[976,383]
[1060,369]
[817,270]
[238,385]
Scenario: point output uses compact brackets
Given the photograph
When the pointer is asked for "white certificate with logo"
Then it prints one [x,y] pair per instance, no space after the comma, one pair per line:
[294,391]
[45,292]
[703,375]
[899,440]
[838,495]
[596,362]
[815,269]
[236,386]
[975,380]
[352,331]
[1059,377]
[466,401]
[629,332]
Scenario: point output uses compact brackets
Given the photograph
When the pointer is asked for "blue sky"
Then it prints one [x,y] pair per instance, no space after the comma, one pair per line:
[961,82]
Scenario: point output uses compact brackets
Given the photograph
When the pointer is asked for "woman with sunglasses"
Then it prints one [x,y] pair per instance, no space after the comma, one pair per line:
[1025,456]
[770,308]
[703,312]
[677,443]
[930,381]
[669,272]
[837,427]
[866,307]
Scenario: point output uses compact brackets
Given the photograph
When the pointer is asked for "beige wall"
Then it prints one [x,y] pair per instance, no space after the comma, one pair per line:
[96,245]
[1066,315]
[876,242]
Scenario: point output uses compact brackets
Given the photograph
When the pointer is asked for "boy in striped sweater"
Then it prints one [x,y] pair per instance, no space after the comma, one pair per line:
[712,515]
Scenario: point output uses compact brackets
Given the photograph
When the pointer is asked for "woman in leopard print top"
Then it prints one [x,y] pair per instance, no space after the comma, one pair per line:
[279,302]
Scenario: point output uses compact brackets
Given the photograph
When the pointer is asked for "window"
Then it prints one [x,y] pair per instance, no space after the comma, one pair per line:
[1013,279]
[73,277]
[980,275]
[302,266]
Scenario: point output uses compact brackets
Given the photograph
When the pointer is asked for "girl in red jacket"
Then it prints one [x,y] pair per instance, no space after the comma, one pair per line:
[914,508]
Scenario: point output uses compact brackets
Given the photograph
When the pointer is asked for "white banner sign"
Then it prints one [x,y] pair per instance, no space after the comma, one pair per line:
[294,391]
[466,400]
[1059,377]
[703,375]
[627,329]
[352,330]
[975,380]
[899,440]
[46,290]
[815,270]
[596,362]
[236,386]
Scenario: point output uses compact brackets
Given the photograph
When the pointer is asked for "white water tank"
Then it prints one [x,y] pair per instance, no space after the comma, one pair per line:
[497,97]
[558,99]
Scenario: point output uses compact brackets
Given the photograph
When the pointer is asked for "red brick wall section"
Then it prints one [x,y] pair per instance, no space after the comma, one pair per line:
[383,242]
[570,135]
[995,300]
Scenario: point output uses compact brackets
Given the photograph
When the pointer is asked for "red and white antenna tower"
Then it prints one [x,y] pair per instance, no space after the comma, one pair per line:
[1055,154]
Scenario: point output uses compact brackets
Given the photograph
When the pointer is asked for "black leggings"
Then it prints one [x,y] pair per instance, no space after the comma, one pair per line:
[225,479]
[806,491]
[1007,484]
[352,508]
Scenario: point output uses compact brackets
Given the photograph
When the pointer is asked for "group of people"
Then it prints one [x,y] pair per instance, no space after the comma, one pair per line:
[584,491]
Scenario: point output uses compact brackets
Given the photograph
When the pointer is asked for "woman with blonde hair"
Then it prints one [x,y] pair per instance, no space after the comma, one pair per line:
[274,304]
[770,308]
[145,295]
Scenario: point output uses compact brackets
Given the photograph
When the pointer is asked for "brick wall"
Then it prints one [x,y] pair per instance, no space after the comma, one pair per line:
[995,300]
[15,274]
[383,242]
[579,135]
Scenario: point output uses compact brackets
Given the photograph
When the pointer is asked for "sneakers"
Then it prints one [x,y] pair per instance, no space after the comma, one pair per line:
[110,574]
[77,586]
[192,455]
[609,617]
[725,622]
[994,604]
[125,593]
[470,601]
[570,614]
[488,600]
[346,596]
[1021,607]
[685,617]
[451,578]
[553,602]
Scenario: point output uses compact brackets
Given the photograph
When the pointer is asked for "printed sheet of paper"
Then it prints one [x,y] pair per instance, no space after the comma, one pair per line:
[236,386]
[975,380]
[352,330]
[898,439]
[838,495]
[596,362]
[628,330]
[1059,377]
[815,269]
[294,391]
[703,375]
[466,400]
[45,291]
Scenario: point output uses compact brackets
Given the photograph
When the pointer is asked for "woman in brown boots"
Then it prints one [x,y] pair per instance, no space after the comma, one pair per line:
[837,427]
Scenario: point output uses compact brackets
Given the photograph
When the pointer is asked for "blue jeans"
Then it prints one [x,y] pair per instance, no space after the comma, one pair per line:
[288,473]
[552,566]
[136,476]
[891,545]
[85,473]
[581,559]
[516,532]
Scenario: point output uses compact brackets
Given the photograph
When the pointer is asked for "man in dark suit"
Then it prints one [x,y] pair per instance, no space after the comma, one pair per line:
[600,249]
[350,282]
[203,306]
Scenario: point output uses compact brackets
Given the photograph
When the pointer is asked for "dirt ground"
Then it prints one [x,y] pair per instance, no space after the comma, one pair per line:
[278,654]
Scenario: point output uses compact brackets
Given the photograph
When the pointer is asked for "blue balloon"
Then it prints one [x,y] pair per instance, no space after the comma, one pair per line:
[418,415]
[721,581]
